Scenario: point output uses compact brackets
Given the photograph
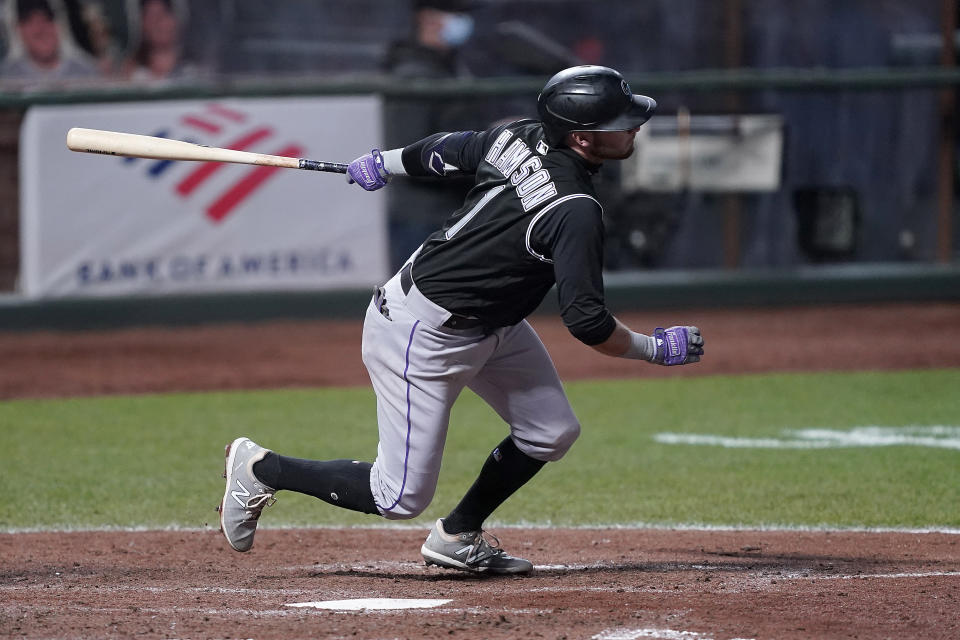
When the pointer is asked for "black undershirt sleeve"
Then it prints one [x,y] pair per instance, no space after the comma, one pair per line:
[444,154]
[573,236]
[448,154]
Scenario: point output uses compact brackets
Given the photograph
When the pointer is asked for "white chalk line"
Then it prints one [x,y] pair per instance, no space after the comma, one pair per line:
[19,609]
[868,576]
[660,634]
[160,590]
[757,581]
[493,526]
[811,574]
[750,580]
[936,436]
[361,567]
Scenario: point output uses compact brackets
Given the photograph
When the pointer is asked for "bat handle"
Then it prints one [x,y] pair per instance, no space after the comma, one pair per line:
[316,165]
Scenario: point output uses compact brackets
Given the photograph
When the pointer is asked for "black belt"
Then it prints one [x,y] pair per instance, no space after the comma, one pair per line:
[455,321]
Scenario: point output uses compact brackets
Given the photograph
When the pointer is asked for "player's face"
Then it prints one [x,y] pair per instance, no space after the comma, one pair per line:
[614,145]
[597,146]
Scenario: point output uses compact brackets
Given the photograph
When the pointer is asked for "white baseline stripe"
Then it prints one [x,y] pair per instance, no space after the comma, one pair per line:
[937,436]
[19,609]
[811,576]
[626,526]
[660,634]
[871,576]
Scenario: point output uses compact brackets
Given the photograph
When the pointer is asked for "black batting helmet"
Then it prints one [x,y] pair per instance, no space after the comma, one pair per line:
[590,98]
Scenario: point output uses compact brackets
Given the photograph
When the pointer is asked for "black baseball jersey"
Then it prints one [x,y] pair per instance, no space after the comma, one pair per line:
[531,220]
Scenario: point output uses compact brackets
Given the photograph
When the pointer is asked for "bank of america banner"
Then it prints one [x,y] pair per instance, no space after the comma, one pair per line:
[96,225]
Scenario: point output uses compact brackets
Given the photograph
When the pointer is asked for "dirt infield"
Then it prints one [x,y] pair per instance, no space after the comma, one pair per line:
[597,583]
[608,584]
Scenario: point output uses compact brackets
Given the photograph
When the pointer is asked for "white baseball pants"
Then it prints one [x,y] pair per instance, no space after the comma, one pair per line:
[418,368]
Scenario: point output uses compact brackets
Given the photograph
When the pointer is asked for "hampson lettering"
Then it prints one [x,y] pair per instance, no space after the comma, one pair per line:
[533,183]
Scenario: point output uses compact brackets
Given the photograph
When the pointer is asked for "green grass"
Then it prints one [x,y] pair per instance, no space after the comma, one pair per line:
[156,460]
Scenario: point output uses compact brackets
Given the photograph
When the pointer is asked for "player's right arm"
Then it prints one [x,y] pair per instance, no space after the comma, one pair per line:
[438,155]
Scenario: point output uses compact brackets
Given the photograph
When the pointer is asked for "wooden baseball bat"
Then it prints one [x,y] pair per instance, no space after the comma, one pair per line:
[115,143]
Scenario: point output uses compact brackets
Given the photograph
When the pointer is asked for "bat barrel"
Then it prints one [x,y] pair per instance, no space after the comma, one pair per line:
[139,146]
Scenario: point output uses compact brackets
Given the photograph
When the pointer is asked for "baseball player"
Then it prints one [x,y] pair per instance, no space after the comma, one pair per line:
[454,317]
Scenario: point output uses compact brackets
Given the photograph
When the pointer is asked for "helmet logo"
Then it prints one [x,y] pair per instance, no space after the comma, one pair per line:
[625,87]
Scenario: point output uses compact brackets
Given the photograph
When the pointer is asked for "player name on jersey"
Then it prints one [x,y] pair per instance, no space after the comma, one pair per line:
[533,183]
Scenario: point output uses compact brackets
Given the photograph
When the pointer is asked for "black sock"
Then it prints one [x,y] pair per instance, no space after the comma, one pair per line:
[342,483]
[506,470]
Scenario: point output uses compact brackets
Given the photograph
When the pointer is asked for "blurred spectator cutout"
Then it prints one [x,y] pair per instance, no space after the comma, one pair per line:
[440,28]
[159,53]
[41,52]
[416,207]
[99,29]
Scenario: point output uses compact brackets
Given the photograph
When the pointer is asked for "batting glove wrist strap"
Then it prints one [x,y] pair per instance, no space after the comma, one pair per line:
[677,345]
[368,171]
[641,347]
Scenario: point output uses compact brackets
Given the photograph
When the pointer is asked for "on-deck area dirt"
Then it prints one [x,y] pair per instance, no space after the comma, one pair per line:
[297,354]
[607,584]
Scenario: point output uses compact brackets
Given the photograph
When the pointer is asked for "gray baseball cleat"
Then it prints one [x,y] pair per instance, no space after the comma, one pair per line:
[471,552]
[245,496]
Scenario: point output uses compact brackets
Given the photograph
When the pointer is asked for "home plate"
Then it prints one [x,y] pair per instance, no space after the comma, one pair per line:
[372,604]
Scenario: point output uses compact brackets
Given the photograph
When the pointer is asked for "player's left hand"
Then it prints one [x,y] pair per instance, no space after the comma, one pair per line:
[368,171]
[678,345]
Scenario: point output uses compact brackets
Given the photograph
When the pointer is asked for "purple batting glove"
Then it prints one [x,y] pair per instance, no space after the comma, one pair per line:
[678,345]
[368,171]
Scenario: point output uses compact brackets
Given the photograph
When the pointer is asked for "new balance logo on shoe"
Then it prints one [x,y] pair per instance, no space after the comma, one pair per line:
[476,556]
[243,492]
[238,522]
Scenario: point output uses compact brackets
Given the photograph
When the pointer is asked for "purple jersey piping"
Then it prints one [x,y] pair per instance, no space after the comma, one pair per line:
[406,456]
